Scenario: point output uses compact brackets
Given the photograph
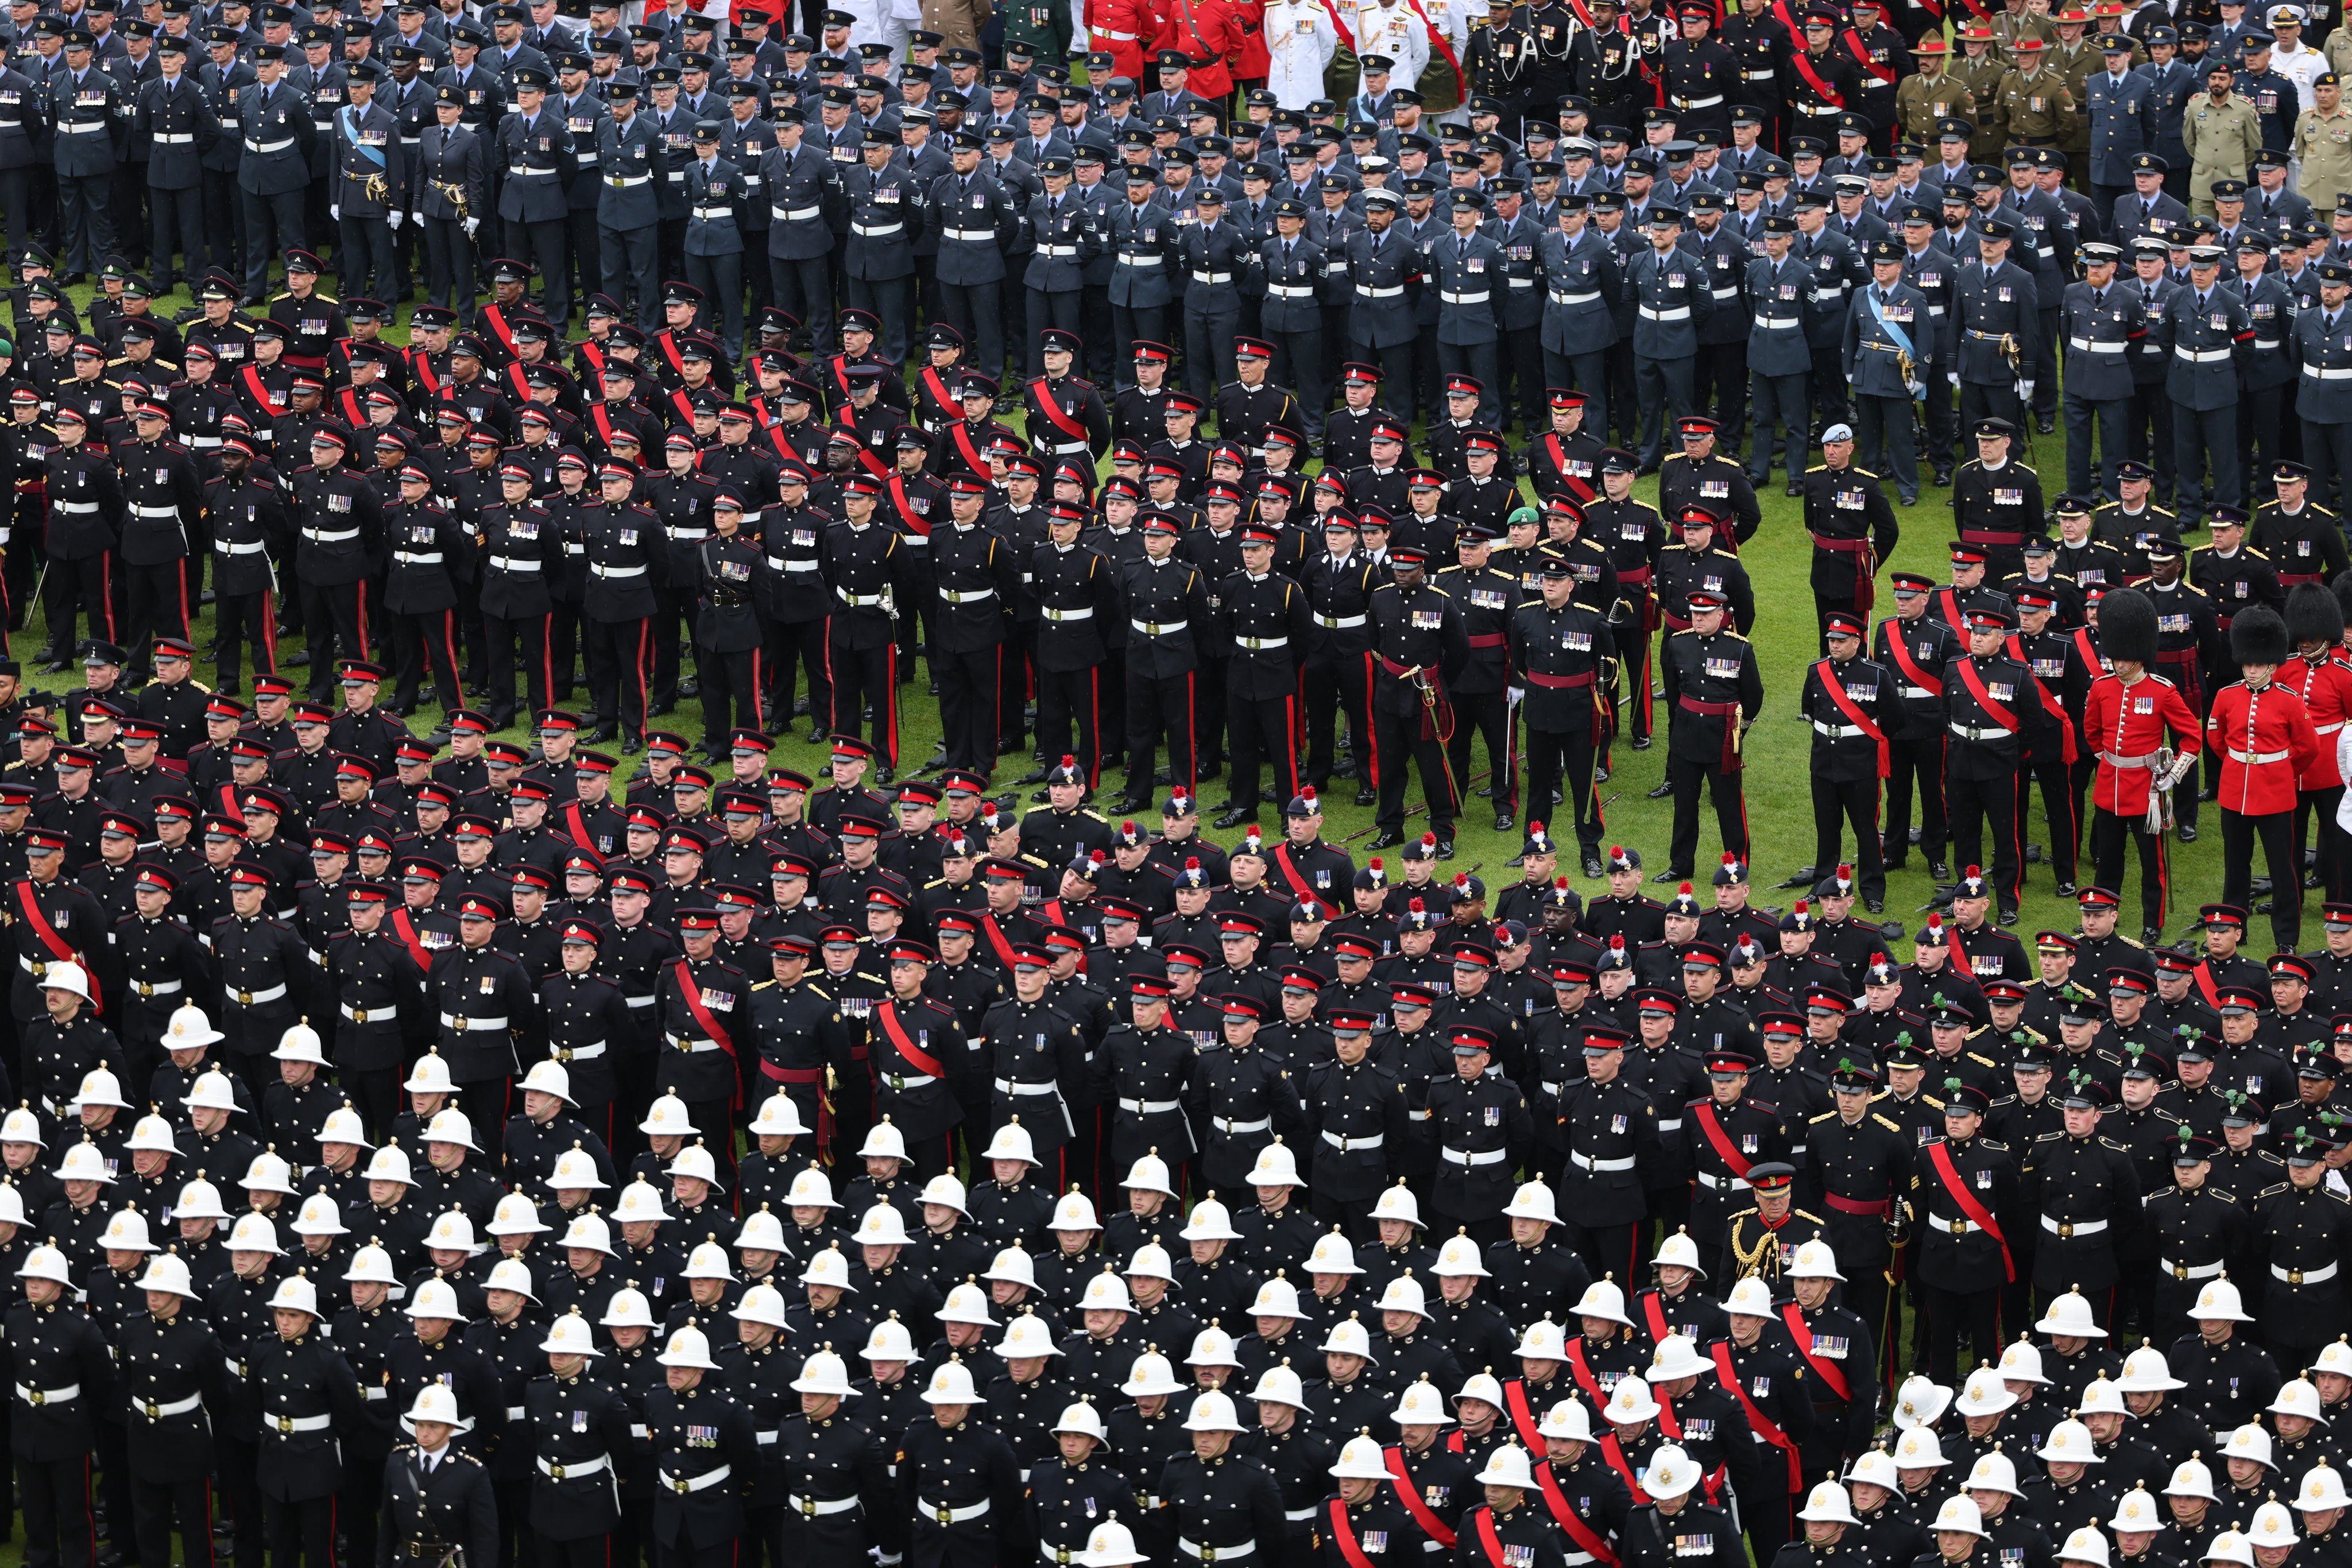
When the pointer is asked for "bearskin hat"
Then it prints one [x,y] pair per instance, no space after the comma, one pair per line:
[2257,636]
[2127,627]
[2313,615]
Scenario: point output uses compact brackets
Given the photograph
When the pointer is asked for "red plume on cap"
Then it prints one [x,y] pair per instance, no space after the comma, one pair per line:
[1730,859]
[1617,943]
[1935,923]
[1069,761]
[1306,793]
[1683,891]
[1846,874]
[1193,864]
[1127,827]
[1416,907]
[1559,882]
[1973,872]
[1429,840]
[1376,862]
[1616,851]
[1096,858]
[1801,906]
[1461,879]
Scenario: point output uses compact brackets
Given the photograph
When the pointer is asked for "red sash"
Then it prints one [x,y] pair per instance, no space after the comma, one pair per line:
[950,405]
[1993,710]
[256,389]
[840,363]
[874,466]
[1490,1545]
[1297,882]
[591,350]
[1003,948]
[671,351]
[1056,414]
[1900,651]
[1782,15]
[1576,486]
[1653,1312]
[422,363]
[915,523]
[1884,74]
[1856,716]
[1582,1370]
[1613,1452]
[1761,1424]
[2050,705]
[521,386]
[1414,1504]
[685,406]
[2205,988]
[1514,1400]
[691,994]
[1343,1534]
[1802,60]
[354,414]
[1831,1374]
[2089,650]
[1939,1155]
[601,415]
[1713,1128]
[1587,1539]
[921,1060]
[497,318]
[962,431]
[404,925]
[60,950]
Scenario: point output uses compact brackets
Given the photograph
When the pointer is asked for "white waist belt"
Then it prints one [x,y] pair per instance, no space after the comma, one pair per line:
[2316,373]
[1951,1226]
[71,1392]
[858,601]
[174,141]
[75,506]
[2188,1271]
[691,1046]
[820,1505]
[1009,1086]
[512,563]
[2088,347]
[578,1052]
[2328,728]
[1838,731]
[1142,260]
[368,1015]
[971,236]
[1698,102]
[1231,1128]
[1340,622]
[1478,1157]
[688,534]
[1991,733]
[953,597]
[287,1426]
[1478,299]
[2252,758]
[799,565]
[155,988]
[620,182]
[1159,628]
[1725,293]
[793,214]
[1586,298]
[250,147]
[1345,1145]
[1261,644]
[1714,1183]
[600,571]
[1370,293]
[1050,613]
[1291,290]
[708,1478]
[157,512]
[2304,1276]
[254,998]
[411,558]
[467,1025]
[1679,313]
[2211,357]
[378,1392]
[1216,1553]
[330,536]
[1151,1107]
[710,214]
[2071,1227]
[516,1412]
[1674,1126]
[556,1472]
[1212,277]
[874,231]
[1586,1163]
[939,1513]
[1050,251]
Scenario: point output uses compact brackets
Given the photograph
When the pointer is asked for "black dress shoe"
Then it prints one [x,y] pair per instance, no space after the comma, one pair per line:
[1599,776]
[1642,742]
[2188,833]
[1660,792]
[2066,890]
[1874,905]
[2149,935]
[1130,802]
[1235,818]
[1388,838]
[1802,877]
[1445,849]
[300,661]
[631,746]
[1034,776]
[603,732]
[1669,876]
[2009,917]
[1366,796]
[888,775]
[53,667]
[1344,768]
[1796,489]
[1504,823]
[1940,870]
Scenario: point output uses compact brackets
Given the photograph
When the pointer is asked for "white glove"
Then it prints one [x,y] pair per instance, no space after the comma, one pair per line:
[1953,377]
[392,220]
[473,227]
[2025,389]
[335,211]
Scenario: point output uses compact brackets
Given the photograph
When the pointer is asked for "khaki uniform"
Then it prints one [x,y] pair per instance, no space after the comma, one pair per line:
[1920,101]
[2012,26]
[957,22]
[2074,68]
[1982,76]
[2322,144]
[2338,50]
[2222,140]
[2040,109]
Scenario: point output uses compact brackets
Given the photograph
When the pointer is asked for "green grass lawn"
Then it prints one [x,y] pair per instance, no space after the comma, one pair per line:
[1780,805]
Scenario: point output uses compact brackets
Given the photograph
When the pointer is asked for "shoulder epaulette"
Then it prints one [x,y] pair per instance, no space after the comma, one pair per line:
[1883,1121]
[2045,1137]
[1865,473]
[1818,468]
[1822,1116]
[2268,1190]
[1993,1144]
[2130,941]
[761,985]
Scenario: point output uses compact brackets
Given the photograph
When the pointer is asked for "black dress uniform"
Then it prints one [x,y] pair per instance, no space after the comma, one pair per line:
[837,1487]
[1422,646]
[307,1393]
[1266,619]
[1853,708]
[1985,700]
[860,563]
[1567,660]
[959,1490]
[1716,691]
[433,1503]
[59,1363]
[1962,1263]
[171,1369]
[2303,1241]
[576,1429]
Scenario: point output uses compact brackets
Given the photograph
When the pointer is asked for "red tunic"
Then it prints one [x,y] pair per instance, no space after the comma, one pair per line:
[2126,722]
[2262,741]
[1207,32]
[1122,27]
[2326,692]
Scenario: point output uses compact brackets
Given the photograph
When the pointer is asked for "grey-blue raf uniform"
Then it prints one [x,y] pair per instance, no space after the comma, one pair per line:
[802,190]
[1291,316]
[1385,273]
[1140,238]
[2209,333]
[1779,356]
[1064,241]
[886,209]
[90,116]
[371,185]
[533,163]
[1467,270]
[1996,325]
[714,242]
[1215,257]
[2320,348]
[1671,298]
[449,190]
[274,176]
[179,128]
[1889,342]
[2100,328]
[1581,282]
[974,222]
[628,214]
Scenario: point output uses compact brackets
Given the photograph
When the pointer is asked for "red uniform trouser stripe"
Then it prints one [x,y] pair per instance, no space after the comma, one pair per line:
[270,628]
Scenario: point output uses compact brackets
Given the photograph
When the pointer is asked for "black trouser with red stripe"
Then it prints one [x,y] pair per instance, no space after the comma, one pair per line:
[2058,804]
[620,668]
[1157,706]
[156,1506]
[861,676]
[2107,831]
[1488,713]
[419,642]
[1563,761]
[302,1531]
[78,584]
[499,637]
[730,692]
[1687,778]
[240,618]
[1981,807]
[336,616]
[1836,807]
[1331,687]
[1920,762]
[969,683]
[1067,699]
[1262,729]
[795,646]
[2276,832]
[158,605]
[55,1497]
